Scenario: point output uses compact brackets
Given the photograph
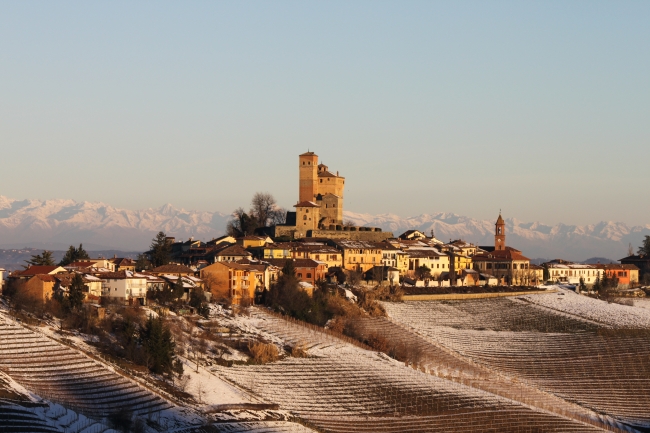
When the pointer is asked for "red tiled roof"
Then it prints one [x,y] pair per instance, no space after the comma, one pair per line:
[172,269]
[33,270]
[234,250]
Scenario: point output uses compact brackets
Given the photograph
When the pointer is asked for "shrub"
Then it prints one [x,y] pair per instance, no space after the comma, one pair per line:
[379,343]
[263,353]
[299,351]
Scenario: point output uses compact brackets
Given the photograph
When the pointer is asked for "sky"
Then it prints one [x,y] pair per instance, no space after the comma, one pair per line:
[540,108]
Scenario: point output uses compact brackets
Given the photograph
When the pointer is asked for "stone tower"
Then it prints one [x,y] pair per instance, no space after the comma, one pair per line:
[308,169]
[500,234]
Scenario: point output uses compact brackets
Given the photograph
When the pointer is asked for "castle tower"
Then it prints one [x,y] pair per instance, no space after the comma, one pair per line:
[308,172]
[500,234]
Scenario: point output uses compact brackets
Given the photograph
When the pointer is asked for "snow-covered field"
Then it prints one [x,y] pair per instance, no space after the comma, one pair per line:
[615,315]
[342,387]
[603,365]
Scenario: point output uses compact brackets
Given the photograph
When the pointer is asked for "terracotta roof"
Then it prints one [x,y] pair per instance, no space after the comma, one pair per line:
[306,204]
[500,219]
[503,255]
[234,250]
[172,269]
[308,154]
[33,270]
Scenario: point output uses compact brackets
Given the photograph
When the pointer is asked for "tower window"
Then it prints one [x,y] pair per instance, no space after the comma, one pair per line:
[303,163]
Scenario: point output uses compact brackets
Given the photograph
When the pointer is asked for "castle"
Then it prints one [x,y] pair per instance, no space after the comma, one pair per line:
[319,211]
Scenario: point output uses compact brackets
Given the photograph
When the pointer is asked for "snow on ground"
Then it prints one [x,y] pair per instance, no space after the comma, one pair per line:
[641,303]
[209,389]
[616,315]
[264,427]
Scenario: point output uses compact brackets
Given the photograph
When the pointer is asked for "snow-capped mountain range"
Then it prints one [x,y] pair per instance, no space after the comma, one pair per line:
[56,224]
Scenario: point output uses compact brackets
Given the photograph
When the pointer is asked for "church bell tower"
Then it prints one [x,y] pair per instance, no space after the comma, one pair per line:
[500,234]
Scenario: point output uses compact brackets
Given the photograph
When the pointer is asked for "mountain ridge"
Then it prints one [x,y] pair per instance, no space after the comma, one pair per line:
[57,223]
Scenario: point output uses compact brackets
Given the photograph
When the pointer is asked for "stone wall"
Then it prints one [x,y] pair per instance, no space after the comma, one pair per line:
[358,234]
[373,234]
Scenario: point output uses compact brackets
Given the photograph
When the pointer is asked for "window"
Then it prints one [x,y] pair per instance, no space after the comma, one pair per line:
[308,274]
[304,217]
[321,180]
[300,275]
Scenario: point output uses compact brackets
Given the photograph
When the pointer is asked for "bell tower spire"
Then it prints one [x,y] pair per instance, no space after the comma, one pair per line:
[500,234]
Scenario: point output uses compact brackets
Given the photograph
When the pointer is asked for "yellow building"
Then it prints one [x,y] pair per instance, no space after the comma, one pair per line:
[319,252]
[254,241]
[360,255]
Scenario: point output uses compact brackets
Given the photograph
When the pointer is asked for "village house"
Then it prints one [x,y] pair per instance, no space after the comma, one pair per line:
[307,270]
[561,271]
[253,241]
[624,274]
[642,262]
[125,286]
[123,264]
[432,258]
[233,282]
[26,274]
[395,258]
[359,255]
[232,253]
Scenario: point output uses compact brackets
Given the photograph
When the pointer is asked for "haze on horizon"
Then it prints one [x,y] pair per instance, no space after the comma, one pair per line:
[538,108]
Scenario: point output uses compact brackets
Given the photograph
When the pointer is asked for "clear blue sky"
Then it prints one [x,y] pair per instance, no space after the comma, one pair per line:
[540,108]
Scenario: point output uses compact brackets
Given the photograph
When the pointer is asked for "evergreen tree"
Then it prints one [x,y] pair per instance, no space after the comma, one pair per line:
[582,287]
[142,263]
[161,250]
[423,272]
[74,255]
[597,287]
[197,300]
[44,259]
[158,343]
[177,288]
[76,293]
[645,248]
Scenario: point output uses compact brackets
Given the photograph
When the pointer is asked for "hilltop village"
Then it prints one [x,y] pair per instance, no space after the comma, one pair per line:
[297,321]
[323,249]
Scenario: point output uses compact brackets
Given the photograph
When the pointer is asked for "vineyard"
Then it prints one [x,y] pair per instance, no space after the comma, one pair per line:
[540,343]
[64,375]
[342,387]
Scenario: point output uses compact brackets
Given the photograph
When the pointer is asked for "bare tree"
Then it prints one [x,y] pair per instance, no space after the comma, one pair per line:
[263,207]
[279,216]
[241,224]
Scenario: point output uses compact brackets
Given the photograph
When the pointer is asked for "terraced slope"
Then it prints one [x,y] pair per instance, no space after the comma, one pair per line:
[596,364]
[61,374]
[343,388]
